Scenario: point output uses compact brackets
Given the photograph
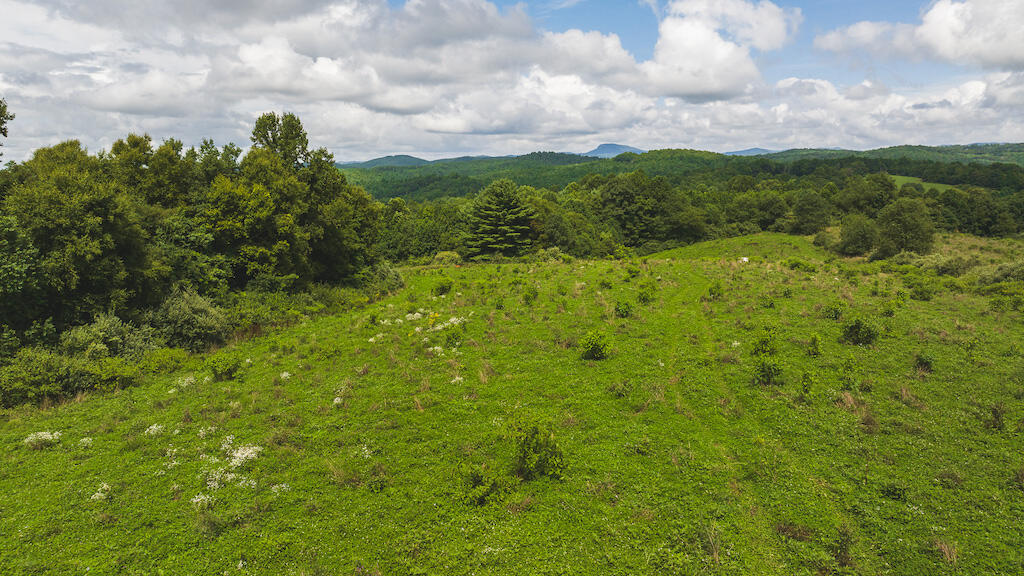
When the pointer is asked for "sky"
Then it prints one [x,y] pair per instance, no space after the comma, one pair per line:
[442,78]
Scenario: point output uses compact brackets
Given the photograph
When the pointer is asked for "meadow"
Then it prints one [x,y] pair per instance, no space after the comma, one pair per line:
[764,407]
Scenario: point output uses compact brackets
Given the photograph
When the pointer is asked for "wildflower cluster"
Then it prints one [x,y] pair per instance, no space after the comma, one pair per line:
[154,430]
[39,440]
[101,493]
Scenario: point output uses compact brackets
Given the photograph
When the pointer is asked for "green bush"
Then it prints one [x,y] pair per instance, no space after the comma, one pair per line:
[767,371]
[163,360]
[481,484]
[380,279]
[446,258]
[190,321]
[594,346]
[108,335]
[814,347]
[530,294]
[834,311]
[623,309]
[443,286]
[859,332]
[766,344]
[645,294]
[858,236]
[715,292]
[536,453]
[800,265]
[36,373]
[924,362]
[224,365]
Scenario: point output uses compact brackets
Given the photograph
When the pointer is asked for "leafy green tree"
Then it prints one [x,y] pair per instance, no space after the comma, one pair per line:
[282,135]
[500,221]
[905,225]
[858,236]
[5,117]
[19,269]
[811,212]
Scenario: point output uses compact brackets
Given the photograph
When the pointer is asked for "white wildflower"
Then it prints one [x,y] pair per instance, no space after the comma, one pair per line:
[413,317]
[186,381]
[225,444]
[85,443]
[243,454]
[744,259]
[338,401]
[366,451]
[37,440]
[457,380]
[204,431]
[285,375]
[375,338]
[154,430]
[101,493]
[207,379]
[437,350]
[735,344]
[419,329]
[201,500]
[172,391]
[278,488]
[248,361]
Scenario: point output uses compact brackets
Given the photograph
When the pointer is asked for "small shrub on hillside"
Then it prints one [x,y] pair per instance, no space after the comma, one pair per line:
[767,371]
[645,295]
[481,484]
[814,346]
[834,311]
[997,416]
[859,332]
[766,301]
[594,346]
[801,265]
[766,343]
[605,284]
[921,287]
[530,294]
[163,360]
[108,335]
[715,292]
[623,309]
[843,549]
[446,258]
[807,386]
[36,373]
[536,452]
[224,365]
[190,321]
[1018,477]
[442,287]
[924,362]
[380,279]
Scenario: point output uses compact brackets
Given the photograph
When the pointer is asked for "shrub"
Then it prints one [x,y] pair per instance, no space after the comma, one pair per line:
[108,335]
[224,365]
[800,265]
[767,371]
[446,258]
[380,279]
[924,362]
[443,286]
[715,292]
[36,373]
[645,295]
[858,235]
[481,484]
[530,294]
[766,343]
[536,453]
[190,321]
[859,332]
[814,346]
[623,309]
[834,311]
[163,360]
[807,386]
[594,346]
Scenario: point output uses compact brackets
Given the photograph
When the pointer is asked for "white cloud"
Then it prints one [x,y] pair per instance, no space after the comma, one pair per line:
[970,32]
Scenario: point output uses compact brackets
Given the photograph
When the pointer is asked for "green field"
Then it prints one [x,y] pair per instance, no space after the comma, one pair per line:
[901,180]
[342,445]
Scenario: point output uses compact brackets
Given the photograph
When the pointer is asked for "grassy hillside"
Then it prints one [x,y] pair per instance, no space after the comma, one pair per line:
[348,444]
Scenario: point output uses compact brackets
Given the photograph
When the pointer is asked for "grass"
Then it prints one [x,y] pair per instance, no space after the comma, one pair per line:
[901,180]
[674,461]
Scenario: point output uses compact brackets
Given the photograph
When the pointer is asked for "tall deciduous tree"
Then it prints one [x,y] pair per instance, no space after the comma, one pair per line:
[5,117]
[282,135]
[905,225]
[500,221]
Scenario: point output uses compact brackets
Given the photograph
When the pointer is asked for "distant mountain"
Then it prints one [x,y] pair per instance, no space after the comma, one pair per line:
[751,152]
[980,153]
[401,160]
[612,150]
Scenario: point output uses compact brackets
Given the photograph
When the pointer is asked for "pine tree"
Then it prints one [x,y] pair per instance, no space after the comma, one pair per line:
[500,221]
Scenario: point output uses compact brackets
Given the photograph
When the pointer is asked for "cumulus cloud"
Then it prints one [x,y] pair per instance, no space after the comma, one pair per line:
[445,77]
[972,32]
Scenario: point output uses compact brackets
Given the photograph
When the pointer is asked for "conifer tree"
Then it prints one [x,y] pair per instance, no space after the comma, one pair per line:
[500,221]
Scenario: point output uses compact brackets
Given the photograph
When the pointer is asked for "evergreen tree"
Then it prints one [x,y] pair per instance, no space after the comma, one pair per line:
[500,221]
